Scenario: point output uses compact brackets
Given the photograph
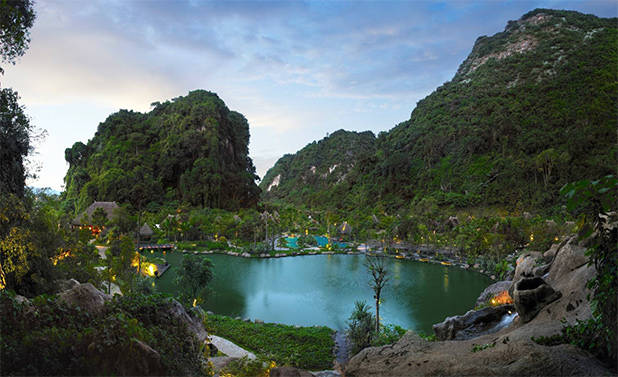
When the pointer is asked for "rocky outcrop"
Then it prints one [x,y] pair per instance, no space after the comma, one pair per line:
[525,265]
[86,296]
[543,303]
[471,324]
[493,290]
[530,295]
[501,356]
[194,324]
[570,257]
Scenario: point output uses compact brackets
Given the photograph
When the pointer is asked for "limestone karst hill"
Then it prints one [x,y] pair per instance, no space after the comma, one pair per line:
[530,109]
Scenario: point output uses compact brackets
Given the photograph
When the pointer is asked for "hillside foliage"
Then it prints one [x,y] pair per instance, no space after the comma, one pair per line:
[191,149]
[311,174]
[531,109]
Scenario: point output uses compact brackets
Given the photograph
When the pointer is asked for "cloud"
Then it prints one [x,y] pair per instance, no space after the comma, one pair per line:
[296,70]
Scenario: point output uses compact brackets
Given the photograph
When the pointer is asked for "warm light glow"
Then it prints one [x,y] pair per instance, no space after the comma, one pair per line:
[531,237]
[135,260]
[151,270]
[501,299]
[306,232]
[194,302]
[61,256]
[555,238]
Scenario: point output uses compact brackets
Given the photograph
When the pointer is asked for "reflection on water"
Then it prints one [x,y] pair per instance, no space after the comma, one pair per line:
[445,279]
[321,290]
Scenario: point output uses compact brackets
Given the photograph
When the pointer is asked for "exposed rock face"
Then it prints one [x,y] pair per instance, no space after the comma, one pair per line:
[65,285]
[530,295]
[413,356]
[567,259]
[86,296]
[492,291]
[193,324]
[471,324]
[510,351]
[525,265]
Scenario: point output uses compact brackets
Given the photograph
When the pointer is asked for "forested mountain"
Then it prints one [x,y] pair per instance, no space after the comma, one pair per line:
[530,109]
[191,149]
[313,171]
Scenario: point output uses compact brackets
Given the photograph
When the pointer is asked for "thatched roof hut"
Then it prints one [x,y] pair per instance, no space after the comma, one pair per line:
[85,218]
[145,231]
[345,228]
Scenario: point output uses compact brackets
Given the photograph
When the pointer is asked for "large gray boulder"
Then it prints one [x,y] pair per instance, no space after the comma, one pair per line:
[86,296]
[194,323]
[525,265]
[568,258]
[492,291]
[471,324]
[530,295]
[413,356]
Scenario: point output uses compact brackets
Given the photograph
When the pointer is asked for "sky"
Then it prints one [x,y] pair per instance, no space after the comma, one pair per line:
[297,70]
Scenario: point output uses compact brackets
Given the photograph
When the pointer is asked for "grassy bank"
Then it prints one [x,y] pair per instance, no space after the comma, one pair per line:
[303,347]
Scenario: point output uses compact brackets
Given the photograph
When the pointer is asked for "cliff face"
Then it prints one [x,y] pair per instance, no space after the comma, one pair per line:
[317,168]
[530,109]
[191,149]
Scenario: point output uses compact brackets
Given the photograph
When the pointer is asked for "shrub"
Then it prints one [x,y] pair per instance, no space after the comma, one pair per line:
[47,337]
[361,330]
[304,347]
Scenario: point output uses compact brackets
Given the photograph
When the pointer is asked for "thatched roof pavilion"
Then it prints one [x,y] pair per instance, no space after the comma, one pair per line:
[145,231]
[345,228]
[85,218]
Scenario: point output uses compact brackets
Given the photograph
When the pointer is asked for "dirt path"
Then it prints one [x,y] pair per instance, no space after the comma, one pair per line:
[230,348]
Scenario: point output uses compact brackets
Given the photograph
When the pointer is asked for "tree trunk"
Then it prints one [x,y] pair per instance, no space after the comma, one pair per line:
[139,219]
[377,313]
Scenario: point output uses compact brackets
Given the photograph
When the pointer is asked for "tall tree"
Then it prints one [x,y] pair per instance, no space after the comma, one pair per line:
[15,132]
[16,19]
[379,275]
[195,274]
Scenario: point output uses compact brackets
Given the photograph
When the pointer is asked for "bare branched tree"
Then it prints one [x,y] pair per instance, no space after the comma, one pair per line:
[379,275]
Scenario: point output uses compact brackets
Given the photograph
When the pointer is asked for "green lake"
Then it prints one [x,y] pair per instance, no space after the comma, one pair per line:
[321,289]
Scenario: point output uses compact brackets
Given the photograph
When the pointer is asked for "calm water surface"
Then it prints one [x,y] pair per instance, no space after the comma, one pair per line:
[321,289]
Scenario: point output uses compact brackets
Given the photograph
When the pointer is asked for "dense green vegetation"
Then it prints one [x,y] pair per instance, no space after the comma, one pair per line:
[362,333]
[532,108]
[48,337]
[509,130]
[190,150]
[306,176]
[303,347]
[595,201]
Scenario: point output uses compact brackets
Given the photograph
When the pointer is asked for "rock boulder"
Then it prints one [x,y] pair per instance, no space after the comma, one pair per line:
[193,324]
[530,295]
[86,296]
[525,265]
[493,290]
[413,356]
[568,258]
[471,324]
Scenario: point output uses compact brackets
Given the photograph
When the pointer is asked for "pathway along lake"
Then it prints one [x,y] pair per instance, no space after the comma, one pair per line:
[321,289]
